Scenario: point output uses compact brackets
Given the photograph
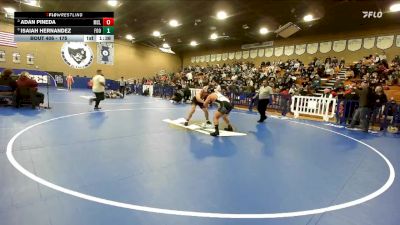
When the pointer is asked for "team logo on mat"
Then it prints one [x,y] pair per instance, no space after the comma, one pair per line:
[77,55]
[105,53]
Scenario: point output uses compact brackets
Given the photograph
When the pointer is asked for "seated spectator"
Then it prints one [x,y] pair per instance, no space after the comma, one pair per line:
[178,95]
[349,74]
[7,87]
[338,85]
[327,93]
[27,86]
[316,82]
[6,79]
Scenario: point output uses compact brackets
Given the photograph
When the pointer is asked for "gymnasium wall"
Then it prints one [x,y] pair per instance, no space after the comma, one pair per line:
[349,56]
[130,60]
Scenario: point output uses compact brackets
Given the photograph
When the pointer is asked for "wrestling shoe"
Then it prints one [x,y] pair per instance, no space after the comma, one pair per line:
[215,133]
[229,128]
[97,108]
[186,123]
[207,124]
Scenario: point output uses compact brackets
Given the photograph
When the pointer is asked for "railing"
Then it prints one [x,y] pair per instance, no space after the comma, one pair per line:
[314,106]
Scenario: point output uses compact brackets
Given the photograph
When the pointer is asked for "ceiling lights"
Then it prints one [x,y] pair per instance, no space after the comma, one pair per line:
[221,15]
[173,23]
[129,37]
[308,18]
[33,3]
[395,7]
[263,30]
[9,10]
[193,43]
[166,45]
[112,3]
[156,33]
[213,36]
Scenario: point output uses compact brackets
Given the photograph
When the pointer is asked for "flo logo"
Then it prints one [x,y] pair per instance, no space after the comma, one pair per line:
[372,14]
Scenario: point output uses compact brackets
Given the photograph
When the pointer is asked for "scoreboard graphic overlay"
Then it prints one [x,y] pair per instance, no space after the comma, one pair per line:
[64,26]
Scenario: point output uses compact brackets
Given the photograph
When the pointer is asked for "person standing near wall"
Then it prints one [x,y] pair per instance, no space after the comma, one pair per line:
[263,95]
[70,81]
[98,88]
[122,84]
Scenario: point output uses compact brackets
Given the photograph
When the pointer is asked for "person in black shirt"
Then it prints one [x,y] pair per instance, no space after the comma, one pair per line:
[122,84]
[363,111]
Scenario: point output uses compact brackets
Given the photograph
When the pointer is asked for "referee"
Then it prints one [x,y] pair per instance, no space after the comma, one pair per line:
[263,94]
[122,84]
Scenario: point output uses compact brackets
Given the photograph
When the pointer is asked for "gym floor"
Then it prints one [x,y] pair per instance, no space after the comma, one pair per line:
[124,165]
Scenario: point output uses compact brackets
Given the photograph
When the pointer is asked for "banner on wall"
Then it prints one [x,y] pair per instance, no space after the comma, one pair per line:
[369,43]
[381,42]
[105,53]
[16,57]
[231,55]
[193,59]
[278,51]
[384,42]
[253,53]
[398,40]
[212,57]
[325,47]
[219,57]
[30,59]
[77,55]
[58,77]
[2,56]
[339,46]
[300,49]
[354,44]
[312,48]
[225,56]
[261,52]
[238,55]
[245,54]
[269,52]
[289,50]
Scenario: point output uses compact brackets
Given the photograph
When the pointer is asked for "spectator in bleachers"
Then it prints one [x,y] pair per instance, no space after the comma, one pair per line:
[327,93]
[342,63]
